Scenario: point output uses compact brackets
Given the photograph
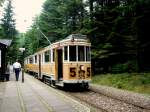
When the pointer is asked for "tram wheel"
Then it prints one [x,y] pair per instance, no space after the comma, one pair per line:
[85,86]
[53,83]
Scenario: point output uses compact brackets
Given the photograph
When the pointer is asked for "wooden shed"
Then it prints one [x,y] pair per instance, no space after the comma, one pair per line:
[4,43]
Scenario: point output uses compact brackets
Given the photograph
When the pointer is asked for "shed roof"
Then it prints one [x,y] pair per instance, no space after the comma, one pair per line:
[6,42]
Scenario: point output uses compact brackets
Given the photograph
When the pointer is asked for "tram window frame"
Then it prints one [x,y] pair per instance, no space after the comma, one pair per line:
[53,55]
[27,60]
[42,58]
[81,50]
[65,53]
[47,56]
[88,53]
[72,53]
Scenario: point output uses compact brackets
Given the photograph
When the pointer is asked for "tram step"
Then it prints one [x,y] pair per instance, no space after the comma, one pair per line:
[60,83]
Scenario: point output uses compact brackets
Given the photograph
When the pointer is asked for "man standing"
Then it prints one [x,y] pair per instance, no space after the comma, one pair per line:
[17,68]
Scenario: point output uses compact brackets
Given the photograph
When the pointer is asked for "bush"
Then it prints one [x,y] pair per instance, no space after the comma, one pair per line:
[130,66]
[119,68]
[133,82]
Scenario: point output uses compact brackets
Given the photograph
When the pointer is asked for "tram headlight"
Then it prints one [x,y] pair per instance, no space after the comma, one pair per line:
[82,67]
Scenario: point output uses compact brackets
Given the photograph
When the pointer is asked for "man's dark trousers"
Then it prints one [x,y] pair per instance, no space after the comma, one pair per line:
[17,70]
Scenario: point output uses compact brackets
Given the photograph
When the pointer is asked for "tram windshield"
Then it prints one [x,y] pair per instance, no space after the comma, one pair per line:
[88,55]
[72,53]
[77,53]
[81,53]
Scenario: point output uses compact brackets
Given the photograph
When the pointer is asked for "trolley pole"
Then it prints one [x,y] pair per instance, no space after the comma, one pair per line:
[49,44]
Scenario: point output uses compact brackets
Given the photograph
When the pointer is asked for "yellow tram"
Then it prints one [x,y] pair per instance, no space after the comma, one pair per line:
[64,62]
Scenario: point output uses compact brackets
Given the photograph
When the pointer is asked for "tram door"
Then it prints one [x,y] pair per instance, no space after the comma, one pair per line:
[39,66]
[59,64]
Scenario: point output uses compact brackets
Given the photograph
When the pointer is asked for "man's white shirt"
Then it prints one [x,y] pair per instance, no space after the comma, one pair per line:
[16,65]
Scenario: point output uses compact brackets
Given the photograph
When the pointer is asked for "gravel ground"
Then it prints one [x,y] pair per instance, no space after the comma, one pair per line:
[92,108]
[140,100]
[106,103]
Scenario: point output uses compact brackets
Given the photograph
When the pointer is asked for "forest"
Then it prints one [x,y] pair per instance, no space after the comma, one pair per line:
[117,29]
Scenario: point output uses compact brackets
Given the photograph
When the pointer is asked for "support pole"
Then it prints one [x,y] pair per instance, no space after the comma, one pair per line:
[23,69]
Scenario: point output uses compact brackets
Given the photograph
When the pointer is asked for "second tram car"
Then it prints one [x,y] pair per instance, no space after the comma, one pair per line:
[64,62]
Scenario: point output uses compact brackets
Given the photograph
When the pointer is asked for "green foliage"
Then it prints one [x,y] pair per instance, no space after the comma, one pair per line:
[1,32]
[32,46]
[51,20]
[133,82]
[8,22]
[117,30]
[8,30]
[120,68]
[1,1]
[130,66]
[57,20]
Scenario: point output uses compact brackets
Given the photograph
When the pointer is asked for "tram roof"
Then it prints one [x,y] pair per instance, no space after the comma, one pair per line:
[81,37]
[76,36]
[73,37]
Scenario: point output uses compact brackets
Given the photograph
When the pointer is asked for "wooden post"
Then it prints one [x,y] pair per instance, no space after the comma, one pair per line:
[3,54]
[4,43]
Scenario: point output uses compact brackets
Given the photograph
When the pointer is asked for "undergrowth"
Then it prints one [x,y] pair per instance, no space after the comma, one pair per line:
[134,81]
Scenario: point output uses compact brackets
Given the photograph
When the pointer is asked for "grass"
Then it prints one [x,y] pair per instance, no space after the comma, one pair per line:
[135,82]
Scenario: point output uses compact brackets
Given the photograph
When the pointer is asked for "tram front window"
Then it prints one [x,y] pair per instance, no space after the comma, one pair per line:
[88,57]
[72,53]
[81,53]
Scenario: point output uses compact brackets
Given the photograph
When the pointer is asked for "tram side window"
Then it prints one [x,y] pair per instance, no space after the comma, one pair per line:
[81,53]
[88,57]
[66,53]
[30,60]
[35,58]
[47,56]
[72,53]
